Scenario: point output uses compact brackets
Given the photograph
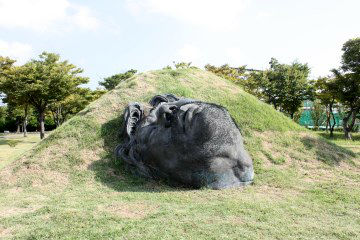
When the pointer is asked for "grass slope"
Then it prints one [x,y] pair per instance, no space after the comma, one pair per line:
[71,186]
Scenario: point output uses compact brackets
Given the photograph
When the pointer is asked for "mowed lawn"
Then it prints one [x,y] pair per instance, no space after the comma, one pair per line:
[13,145]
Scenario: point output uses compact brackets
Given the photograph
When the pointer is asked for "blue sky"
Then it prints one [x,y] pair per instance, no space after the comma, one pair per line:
[108,37]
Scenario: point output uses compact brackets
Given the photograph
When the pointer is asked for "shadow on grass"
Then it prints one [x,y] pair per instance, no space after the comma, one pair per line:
[328,152]
[339,136]
[112,172]
[10,142]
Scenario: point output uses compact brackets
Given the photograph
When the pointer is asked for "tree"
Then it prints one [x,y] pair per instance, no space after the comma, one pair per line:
[3,116]
[111,82]
[282,85]
[5,66]
[348,94]
[74,103]
[15,114]
[16,96]
[44,82]
[317,114]
[236,75]
[326,92]
[348,83]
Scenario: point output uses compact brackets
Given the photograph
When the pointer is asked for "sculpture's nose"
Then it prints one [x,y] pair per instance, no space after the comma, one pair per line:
[167,113]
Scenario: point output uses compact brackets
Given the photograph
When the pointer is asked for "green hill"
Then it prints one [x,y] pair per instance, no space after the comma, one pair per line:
[71,186]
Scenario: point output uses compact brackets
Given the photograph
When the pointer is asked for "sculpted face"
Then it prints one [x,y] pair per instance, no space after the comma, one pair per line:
[185,142]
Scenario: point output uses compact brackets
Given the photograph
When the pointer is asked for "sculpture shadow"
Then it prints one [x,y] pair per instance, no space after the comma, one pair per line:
[111,170]
[328,152]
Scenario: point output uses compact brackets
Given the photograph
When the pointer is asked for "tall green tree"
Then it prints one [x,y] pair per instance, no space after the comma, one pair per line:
[348,94]
[348,83]
[16,96]
[3,115]
[72,104]
[285,86]
[15,114]
[45,81]
[111,82]
[326,92]
[5,66]
[317,114]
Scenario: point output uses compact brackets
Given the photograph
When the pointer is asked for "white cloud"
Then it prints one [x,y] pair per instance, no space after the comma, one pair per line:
[84,19]
[189,53]
[42,15]
[16,50]
[214,14]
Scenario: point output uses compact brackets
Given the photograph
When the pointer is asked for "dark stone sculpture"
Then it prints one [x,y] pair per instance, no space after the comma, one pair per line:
[186,142]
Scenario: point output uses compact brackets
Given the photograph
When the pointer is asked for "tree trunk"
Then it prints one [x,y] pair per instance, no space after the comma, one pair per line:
[25,120]
[332,126]
[345,126]
[347,134]
[18,128]
[42,124]
[348,127]
[327,118]
[331,113]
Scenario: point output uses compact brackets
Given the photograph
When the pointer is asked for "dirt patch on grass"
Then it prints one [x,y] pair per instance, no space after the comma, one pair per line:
[89,156]
[14,211]
[34,175]
[129,210]
[5,232]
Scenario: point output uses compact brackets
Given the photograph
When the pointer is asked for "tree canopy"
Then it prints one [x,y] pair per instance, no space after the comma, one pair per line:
[111,82]
[285,86]
[234,74]
[42,82]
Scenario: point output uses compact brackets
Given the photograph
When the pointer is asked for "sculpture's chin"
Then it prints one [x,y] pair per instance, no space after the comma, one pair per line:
[227,179]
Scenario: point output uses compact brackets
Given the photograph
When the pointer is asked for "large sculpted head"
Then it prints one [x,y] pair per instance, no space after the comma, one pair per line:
[185,142]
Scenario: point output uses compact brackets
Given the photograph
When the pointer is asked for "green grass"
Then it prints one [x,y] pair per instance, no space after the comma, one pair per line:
[13,145]
[339,139]
[71,186]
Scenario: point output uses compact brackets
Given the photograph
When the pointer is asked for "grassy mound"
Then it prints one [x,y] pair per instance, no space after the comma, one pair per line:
[71,186]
